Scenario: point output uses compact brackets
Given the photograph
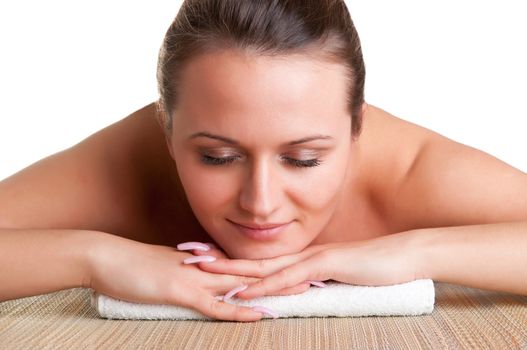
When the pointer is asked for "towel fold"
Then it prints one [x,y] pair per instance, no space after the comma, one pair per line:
[337,299]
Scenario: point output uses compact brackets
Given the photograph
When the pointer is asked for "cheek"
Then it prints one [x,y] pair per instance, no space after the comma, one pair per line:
[207,191]
[317,189]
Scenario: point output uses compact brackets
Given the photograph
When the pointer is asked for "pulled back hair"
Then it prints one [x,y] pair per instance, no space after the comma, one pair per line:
[317,28]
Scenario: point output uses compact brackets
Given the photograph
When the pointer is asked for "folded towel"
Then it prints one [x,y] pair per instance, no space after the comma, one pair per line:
[336,299]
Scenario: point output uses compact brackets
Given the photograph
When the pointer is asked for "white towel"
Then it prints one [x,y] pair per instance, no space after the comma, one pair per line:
[336,299]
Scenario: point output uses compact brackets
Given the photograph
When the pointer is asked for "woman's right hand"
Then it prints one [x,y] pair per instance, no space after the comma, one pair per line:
[154,274]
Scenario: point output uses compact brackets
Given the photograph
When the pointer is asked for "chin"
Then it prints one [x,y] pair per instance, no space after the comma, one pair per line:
[266,252]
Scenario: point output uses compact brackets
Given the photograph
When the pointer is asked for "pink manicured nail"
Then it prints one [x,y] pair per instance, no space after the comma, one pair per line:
[193,245]
[201,258]
[318,283]
[234,291]
[265,310]
[212,245]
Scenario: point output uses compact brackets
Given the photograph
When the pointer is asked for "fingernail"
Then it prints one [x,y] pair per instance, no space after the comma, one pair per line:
[212,245]
[234,291]
[265,311]
[193,245]
[201,258]
[318,284]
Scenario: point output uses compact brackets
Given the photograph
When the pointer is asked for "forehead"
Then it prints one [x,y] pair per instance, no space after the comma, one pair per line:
[229,84]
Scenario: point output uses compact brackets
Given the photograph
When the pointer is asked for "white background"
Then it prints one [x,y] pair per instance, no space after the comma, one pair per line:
[70,68]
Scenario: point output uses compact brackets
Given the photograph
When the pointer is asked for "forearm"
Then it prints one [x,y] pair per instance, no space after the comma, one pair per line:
[34,262]
[491,256]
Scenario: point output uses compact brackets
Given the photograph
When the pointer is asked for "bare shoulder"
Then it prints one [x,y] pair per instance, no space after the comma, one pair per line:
[441,182]
[98,184]
[389,147]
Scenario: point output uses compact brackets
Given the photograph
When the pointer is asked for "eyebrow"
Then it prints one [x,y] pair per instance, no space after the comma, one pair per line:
[234,142]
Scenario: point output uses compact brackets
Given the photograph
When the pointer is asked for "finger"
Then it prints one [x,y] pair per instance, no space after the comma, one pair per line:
[316,248]
[228,283]
[218,283]
[198,248]
[256,268]
[311,268]
[194,245]
[217,253]
[286,291]
[222,283]
[231,292]
[298,289]
[216,308]
[301,288]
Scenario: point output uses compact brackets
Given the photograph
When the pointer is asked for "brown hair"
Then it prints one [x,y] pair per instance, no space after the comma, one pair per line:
[319,28]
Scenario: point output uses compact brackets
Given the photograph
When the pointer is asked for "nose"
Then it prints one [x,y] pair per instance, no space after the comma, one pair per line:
[259,193]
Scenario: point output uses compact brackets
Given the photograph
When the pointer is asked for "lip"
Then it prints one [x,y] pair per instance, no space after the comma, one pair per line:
[266,232]
[260,227]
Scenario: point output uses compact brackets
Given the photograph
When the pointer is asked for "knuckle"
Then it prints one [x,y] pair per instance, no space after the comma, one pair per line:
[213,309]
[225,311]
[238,313]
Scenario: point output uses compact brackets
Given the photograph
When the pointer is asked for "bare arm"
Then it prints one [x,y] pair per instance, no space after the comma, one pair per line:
[490,256]
[469,210]
[34,262]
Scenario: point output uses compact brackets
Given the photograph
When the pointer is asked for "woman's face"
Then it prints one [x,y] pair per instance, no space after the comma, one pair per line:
[262,105]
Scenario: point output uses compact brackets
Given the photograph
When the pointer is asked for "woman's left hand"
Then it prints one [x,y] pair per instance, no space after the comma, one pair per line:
[384,260]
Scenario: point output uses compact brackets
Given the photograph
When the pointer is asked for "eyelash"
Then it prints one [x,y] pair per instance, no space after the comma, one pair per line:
[295,162]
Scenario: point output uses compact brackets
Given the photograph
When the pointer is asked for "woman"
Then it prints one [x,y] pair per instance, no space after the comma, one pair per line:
[262,143]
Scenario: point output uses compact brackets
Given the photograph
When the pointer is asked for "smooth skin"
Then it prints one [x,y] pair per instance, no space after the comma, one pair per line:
[136,193]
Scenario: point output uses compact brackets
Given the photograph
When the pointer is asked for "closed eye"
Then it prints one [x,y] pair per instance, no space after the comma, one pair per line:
[295,162]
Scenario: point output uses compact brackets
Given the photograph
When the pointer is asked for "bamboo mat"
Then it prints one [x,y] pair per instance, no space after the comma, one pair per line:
[463,318]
